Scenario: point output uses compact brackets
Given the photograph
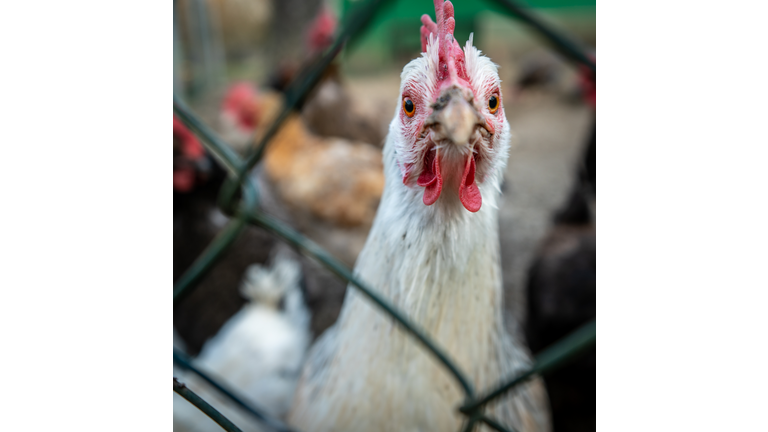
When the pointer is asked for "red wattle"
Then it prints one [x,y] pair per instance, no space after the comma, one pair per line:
[469,193]
[431,179]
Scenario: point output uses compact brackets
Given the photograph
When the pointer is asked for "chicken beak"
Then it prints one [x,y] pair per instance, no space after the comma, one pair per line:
[454,118]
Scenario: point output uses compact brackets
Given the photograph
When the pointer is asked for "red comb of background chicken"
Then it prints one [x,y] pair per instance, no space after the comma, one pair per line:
[588,86]
[241,101]
[321,31]
[187,150]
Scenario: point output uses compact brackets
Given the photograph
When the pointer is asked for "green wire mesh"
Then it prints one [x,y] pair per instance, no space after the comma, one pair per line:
[246,211]
[204,406]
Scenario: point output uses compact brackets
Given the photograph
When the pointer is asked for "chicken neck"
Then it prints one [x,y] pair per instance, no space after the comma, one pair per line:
[439,264]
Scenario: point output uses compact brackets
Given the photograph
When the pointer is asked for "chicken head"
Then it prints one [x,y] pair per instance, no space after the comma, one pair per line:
[450,120]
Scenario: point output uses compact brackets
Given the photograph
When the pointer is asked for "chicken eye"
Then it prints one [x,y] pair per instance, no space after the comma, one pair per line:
[493,104]
[408,107]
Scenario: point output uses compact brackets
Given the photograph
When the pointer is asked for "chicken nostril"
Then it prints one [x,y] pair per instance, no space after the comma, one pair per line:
[441,102]
[452,93]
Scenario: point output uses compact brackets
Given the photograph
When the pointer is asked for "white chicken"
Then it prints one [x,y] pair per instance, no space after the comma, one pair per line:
[258,352]
[433,251]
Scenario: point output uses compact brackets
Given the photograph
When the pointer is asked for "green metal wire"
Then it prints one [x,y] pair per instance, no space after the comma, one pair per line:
[203,406]
[235,227]
[556,355]
[558,39]
[185,362]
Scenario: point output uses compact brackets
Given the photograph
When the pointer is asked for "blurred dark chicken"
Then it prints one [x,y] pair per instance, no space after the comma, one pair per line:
[579,208]
[196,221]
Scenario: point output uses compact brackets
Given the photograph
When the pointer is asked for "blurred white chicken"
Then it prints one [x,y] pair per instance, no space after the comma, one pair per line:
[258,352]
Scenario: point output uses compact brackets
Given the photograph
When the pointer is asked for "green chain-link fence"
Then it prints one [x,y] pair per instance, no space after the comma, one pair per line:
[246,211]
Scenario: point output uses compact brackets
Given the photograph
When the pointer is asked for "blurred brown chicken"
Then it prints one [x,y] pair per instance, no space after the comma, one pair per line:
[332,178]
[335,179]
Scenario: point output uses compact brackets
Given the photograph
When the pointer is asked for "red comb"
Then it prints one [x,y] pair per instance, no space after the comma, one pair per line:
[450,53]
[240,100]
[321,31]
[187,141]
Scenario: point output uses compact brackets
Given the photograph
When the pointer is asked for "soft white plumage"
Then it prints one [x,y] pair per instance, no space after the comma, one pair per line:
[258,352]
[438,262]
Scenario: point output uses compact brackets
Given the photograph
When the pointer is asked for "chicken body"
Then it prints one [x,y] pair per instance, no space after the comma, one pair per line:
[433,251]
